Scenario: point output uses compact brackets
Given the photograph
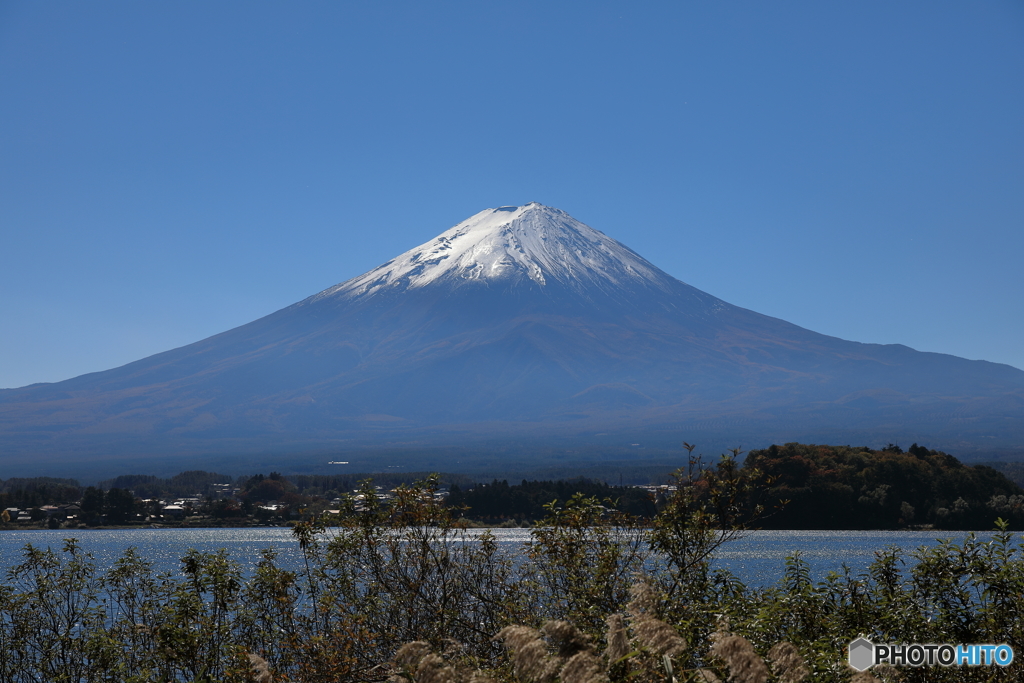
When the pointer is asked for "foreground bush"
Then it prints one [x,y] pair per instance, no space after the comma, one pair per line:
[401,592]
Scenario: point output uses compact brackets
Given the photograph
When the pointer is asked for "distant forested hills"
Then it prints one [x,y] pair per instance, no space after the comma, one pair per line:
[839,487]
[183,484]
[500,501]
[801,486]
[805,486]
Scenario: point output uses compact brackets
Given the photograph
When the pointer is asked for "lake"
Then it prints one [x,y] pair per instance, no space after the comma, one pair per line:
[758,559]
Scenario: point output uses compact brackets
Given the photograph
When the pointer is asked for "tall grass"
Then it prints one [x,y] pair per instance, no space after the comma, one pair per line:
[400,591]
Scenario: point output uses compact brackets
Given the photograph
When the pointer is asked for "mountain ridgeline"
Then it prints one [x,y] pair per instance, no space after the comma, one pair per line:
[521,326]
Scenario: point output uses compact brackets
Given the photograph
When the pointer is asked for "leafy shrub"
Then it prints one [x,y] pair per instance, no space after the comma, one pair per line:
[400,589]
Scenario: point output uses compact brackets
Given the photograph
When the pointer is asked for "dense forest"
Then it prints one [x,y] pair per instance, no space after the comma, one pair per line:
[36,491]
[184,484]
[839,487]
[498,501]
[803,487]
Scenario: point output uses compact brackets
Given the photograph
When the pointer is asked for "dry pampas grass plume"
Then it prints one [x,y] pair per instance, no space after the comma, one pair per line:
[644,599]
[410,654]
[567,638]
[787,663]
[260,669]
[432,669]
[575,660]
[583,667]
[418,659]
[530,658]
[738,654]
[617,639]
[654,634]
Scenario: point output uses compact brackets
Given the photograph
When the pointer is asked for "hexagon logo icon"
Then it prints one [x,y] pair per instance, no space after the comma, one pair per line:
[862,654]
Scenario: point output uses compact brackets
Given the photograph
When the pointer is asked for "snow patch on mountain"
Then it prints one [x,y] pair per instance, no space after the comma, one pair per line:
[512,243]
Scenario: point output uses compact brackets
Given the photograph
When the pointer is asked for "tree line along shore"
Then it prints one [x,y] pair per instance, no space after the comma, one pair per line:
[395,588]
[802,486]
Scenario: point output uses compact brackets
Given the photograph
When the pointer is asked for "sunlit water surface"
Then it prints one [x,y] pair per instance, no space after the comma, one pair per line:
[758,559]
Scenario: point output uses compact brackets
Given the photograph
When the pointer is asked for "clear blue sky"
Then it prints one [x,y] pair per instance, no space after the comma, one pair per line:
[169,170]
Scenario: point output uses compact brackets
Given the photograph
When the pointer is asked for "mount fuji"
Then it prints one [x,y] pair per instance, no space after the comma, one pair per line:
[518,325]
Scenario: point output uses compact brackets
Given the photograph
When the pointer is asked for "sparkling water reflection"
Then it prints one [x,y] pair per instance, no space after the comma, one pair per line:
[758,559]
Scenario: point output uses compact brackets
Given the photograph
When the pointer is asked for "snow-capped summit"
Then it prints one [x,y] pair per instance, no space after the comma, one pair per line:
[522,328]
[512,245]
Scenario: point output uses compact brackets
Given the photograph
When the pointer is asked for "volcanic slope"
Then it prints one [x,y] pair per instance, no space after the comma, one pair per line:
[518,322]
